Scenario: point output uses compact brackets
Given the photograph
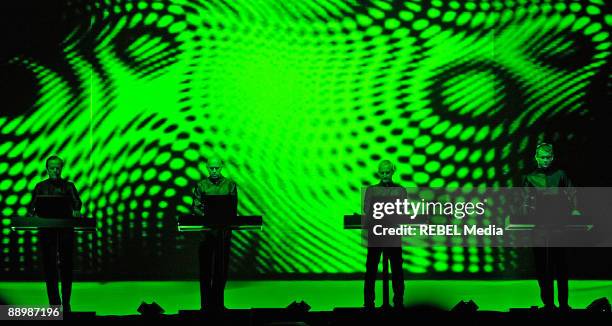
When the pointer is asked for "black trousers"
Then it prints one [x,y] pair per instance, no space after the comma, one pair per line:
[214,261]
[397,274]
[57,247]
[551,264]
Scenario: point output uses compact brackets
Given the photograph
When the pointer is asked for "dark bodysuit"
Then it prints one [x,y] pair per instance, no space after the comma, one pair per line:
[551,263]
[373,258]
[215,246]
[57,243]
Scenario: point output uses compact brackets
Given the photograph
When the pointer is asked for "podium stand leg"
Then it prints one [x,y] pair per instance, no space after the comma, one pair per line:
[385,274]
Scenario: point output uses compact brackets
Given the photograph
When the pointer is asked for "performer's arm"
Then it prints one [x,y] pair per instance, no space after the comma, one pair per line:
[234,189]
[76,200]
[570,193]
[367,210]
[527,205]
[32,206]
[198,205]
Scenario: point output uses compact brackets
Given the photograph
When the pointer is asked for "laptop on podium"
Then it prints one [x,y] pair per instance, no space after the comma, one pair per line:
[219,210]
[53,206]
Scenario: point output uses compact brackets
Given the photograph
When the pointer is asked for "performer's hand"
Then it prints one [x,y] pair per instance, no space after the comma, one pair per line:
[76,214]
[576,213]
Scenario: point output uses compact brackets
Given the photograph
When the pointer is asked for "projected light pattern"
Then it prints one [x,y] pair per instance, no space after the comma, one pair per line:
[302,99]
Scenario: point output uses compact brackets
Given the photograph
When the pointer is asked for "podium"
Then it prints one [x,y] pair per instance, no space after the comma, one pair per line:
[79,224]
[197,223]
[566,231]
[565,222]
[354,222]
[193,223]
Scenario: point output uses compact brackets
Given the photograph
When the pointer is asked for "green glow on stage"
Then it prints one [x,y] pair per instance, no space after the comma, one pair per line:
[302,99]
[123,298]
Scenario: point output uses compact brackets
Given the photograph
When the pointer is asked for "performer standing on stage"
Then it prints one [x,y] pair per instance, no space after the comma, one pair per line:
[215,246]
[386,169]
[551,263]
[53,242]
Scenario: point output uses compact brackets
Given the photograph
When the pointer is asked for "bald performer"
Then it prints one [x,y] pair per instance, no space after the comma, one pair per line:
[215,246]
[386,169]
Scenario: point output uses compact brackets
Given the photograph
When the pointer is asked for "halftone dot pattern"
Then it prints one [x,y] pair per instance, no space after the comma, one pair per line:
[301,99]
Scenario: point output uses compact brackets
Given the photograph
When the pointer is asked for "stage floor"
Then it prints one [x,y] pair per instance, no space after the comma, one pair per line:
[123,298]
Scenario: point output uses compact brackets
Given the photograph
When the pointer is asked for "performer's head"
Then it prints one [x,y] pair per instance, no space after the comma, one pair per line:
[544,155]
[54,166]
[214,166]
[385,171]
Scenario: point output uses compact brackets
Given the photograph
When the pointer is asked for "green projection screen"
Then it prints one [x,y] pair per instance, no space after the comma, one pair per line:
[302,99]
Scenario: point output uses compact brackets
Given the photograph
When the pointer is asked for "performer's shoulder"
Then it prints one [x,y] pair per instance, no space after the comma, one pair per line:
[203,183]
[232,183]
[530,173]
[526,178]
[42,183]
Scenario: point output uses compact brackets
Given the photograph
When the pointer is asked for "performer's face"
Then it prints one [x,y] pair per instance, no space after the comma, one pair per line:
[54,169]
[385,173]
[214,168]
[544,158]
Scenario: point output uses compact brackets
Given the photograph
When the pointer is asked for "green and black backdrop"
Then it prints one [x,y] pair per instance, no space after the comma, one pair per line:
[302,99]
